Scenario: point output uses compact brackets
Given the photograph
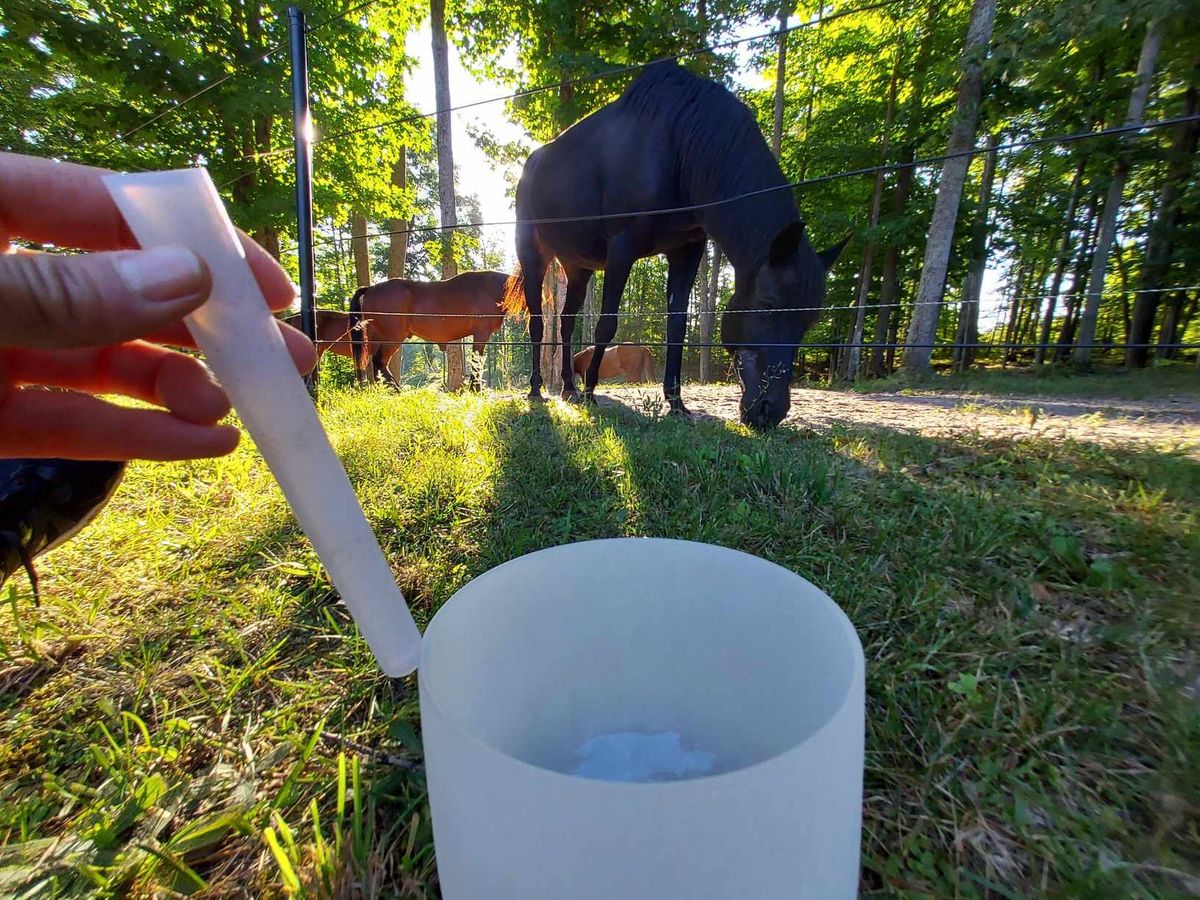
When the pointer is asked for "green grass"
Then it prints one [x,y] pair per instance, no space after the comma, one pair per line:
[1167,380]
[187,708]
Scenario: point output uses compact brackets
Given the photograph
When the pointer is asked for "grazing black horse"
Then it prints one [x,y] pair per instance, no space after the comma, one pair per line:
[673,140]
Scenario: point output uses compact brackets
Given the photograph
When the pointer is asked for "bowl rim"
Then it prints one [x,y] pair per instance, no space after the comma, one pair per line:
[855,684]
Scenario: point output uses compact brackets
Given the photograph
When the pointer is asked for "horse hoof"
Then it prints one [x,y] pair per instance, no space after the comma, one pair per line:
[681,412]
[573,397]
[536,397]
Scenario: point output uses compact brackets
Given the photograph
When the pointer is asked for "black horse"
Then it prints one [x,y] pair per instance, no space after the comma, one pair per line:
[673,140]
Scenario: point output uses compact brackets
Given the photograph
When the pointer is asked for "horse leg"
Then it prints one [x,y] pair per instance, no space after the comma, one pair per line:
[379,367]
[577,282]
[386,354]
[534,266]
[616,272]
[682,265]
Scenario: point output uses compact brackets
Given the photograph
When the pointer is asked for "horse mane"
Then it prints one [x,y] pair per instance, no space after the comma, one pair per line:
[721,153]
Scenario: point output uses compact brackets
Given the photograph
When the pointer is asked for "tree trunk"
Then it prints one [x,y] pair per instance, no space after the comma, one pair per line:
[1014,309]
[893,337]
[1166,225]
[588,318]
[888,314]
[923,328]
[1107,232]
[785,9]
[398,244]
[445,152]
[1179,316]
[812,90]
[1066,336]
[1060,266]
[696,320]
[889,287]
[397,255]
[969,310]
[552,344]
[268,239]
[1027,329]
[1123,274]
[854,346]
[358,248]
[708,315]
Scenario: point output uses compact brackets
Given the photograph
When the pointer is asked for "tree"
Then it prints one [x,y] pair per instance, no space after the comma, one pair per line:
[854,348]
[562,45]
[358,247]
[708,313]
[1167,222]
[1106,234]
[1064,257]
[785,10]
[923,327]
[968,326]
[99,80]
[398,239]
[445,151]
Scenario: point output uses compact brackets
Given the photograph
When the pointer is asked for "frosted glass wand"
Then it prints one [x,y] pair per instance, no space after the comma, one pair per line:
[244,349]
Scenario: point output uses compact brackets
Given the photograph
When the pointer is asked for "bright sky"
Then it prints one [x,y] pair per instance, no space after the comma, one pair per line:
[476,175]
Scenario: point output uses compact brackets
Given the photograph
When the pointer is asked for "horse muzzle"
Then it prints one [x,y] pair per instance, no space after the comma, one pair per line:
[766,389]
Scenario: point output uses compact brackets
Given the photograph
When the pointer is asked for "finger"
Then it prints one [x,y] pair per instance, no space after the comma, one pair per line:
[51,202]
[303,354]
[41,423]
[139,370]
[60,203]
[88,300]
[277,288]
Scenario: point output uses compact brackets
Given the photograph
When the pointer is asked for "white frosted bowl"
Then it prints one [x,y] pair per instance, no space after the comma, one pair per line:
[745,659]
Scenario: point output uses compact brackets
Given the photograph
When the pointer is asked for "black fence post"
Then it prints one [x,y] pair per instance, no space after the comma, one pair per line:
[302,135]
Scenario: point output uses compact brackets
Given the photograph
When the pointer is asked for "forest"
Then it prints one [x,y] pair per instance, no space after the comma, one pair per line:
[186,704]
[1016,178]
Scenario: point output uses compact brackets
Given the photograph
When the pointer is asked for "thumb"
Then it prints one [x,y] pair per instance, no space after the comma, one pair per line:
[91,300]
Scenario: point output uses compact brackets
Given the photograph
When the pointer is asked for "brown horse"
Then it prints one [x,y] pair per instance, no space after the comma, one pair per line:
[634,363]
[472,304]
[333,332]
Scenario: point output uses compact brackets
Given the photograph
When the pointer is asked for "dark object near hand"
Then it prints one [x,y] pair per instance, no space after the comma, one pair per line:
[44,502]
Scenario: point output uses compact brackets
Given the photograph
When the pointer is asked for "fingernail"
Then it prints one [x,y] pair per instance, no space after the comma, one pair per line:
[162,273]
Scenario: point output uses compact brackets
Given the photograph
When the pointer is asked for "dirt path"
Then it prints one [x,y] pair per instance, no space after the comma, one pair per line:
[1166,423]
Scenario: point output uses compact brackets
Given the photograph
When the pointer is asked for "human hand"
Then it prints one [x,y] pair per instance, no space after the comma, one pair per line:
[94,323]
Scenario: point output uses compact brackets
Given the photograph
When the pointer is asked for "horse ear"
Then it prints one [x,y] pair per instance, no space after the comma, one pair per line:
[786,243]
[829,255]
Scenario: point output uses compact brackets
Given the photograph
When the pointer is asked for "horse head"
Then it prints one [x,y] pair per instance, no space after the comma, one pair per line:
[768,317]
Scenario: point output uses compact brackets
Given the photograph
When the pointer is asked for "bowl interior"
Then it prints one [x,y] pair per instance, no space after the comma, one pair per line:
[742,658]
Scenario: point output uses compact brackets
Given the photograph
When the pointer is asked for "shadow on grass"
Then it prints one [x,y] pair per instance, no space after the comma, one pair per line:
[1022,606]
[1018,603]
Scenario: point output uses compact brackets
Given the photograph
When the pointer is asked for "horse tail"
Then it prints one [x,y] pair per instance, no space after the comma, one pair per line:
[358,330]
[512,299]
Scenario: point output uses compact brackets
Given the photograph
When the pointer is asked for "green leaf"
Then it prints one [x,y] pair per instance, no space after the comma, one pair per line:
[403,733]
[287,873]
[207,831]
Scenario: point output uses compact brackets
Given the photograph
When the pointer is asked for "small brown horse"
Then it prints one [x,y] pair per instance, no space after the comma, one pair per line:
[472,304]
[333,332]
[634,363]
